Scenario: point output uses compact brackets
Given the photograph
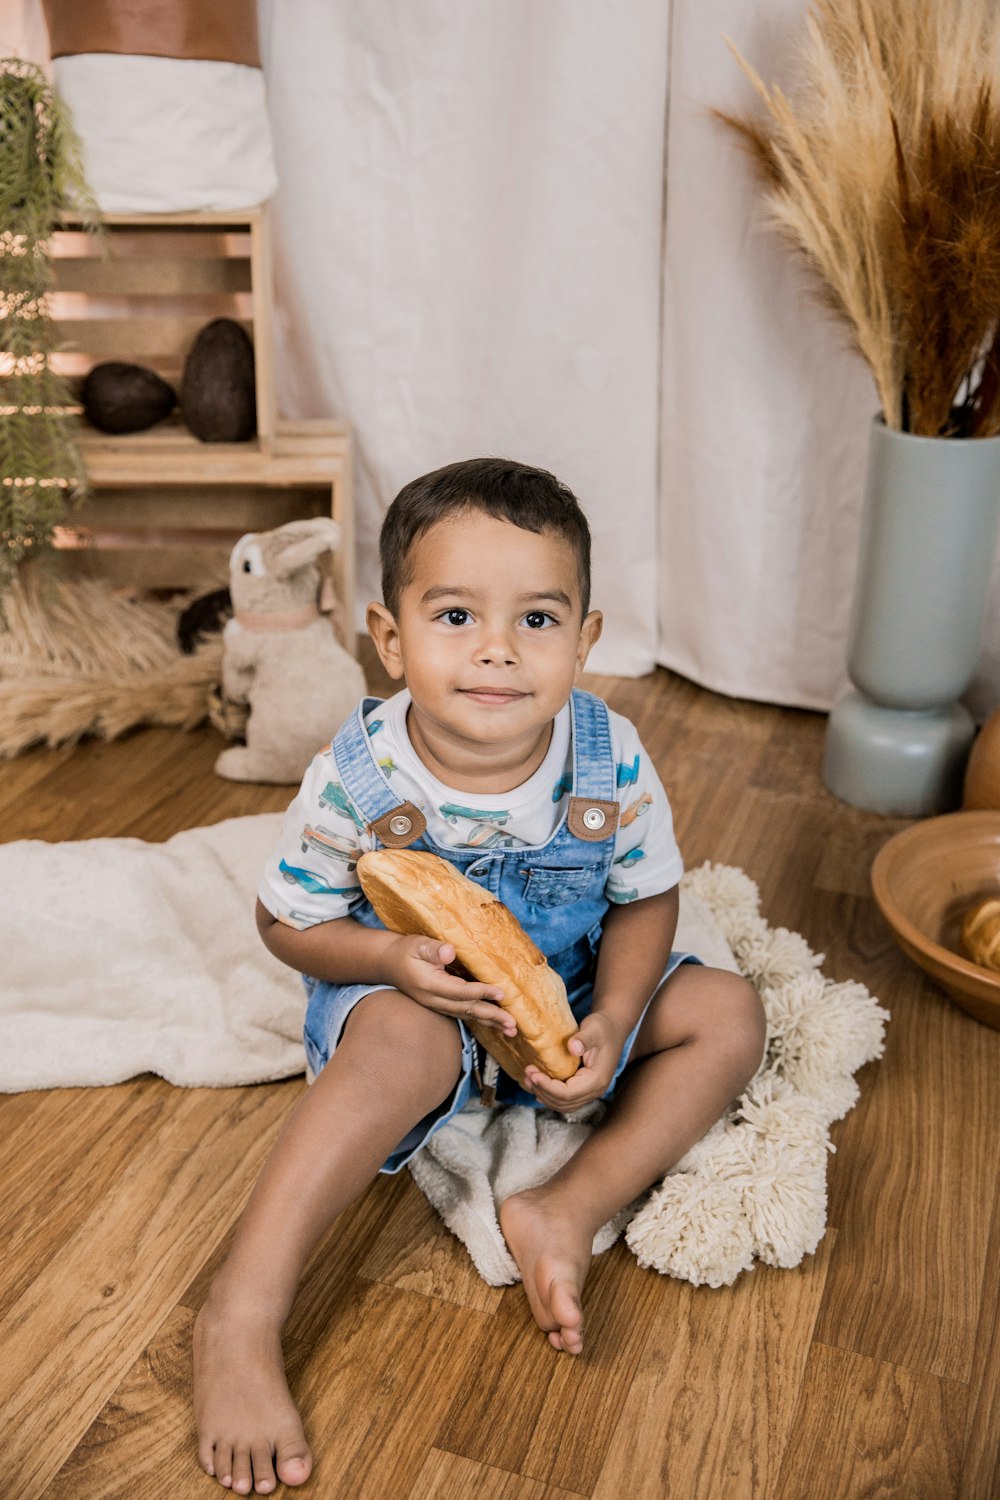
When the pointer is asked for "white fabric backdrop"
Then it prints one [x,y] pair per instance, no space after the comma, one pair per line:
[765,415]
[470,252]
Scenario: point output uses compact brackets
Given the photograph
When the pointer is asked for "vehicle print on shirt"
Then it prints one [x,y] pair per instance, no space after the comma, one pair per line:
[562,786]
[452,811]
[636,809]
[310,882]
[620,898]
[631,858]
[626,775]
[333,795]
[373,727]
[333,844]
[296,919]
[388,764]
[488,836]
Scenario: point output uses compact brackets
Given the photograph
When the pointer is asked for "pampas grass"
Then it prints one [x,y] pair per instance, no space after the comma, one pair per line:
[884,171]
[78,658]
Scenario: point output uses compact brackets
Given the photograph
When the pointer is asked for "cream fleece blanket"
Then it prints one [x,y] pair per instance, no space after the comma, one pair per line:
[122,957]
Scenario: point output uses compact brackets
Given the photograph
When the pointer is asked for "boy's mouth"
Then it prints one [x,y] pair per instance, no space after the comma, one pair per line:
[492,695]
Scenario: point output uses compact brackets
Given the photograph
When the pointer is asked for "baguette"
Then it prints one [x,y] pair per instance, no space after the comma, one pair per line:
[981,933]
[416,892]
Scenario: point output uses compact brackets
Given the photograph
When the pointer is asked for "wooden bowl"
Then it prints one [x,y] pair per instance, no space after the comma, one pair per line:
[924,880]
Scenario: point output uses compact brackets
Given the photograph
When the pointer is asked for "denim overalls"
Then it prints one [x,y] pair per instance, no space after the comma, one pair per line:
[555,890]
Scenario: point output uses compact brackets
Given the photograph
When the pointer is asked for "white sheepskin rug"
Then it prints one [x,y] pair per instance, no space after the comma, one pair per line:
[754,1188]
[144,957]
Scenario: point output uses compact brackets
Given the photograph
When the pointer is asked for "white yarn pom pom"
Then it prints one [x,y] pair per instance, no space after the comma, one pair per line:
[775,955]
[820,1034]
[694,1228]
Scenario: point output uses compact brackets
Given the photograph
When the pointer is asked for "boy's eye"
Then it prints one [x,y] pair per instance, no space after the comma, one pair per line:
[537,619]
[456,616]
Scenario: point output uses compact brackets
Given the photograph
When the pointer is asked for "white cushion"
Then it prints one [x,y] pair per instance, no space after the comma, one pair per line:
[169,134]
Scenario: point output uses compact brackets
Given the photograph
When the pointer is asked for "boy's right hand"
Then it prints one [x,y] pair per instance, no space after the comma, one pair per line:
[418,968]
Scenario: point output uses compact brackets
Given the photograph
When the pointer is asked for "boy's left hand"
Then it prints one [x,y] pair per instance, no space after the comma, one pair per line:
[598,1044]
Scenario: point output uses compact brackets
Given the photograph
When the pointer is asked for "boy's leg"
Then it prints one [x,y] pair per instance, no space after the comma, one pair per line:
[700,1043]
[395,1061]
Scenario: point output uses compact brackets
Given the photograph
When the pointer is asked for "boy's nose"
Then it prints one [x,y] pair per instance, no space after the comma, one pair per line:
[497,651]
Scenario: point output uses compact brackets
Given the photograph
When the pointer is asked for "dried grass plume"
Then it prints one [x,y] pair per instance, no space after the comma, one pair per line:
[884,171]
[79,658]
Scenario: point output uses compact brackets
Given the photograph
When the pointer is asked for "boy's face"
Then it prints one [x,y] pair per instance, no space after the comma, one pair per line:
[489,634]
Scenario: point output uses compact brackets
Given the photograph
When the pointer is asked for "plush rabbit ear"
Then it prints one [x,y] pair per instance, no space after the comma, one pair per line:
[307,540]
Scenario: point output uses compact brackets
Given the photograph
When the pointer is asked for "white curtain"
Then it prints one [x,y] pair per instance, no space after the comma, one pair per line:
[473,257]
[469,220]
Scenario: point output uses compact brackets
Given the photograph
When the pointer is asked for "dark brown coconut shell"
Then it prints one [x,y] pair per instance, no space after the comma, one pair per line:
[218,398]
[119,397]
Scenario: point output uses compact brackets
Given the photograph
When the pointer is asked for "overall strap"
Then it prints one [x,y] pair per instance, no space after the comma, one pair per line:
[392,822]
[593,807]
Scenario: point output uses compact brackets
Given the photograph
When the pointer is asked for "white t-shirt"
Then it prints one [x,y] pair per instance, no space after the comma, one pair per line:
[310,876]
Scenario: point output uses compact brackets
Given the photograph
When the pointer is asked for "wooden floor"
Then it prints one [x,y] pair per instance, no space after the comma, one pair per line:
[872,1370]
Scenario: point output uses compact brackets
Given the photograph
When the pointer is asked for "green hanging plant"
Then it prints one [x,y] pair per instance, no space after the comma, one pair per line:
[41,172]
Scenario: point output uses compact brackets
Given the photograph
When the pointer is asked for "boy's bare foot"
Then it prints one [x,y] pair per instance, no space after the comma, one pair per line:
[249,1431]
[553,1257]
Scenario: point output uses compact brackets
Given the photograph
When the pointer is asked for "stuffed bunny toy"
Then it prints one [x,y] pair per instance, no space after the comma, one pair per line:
[280,655]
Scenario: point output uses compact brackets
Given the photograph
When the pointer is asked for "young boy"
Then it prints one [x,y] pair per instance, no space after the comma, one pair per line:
[491,758]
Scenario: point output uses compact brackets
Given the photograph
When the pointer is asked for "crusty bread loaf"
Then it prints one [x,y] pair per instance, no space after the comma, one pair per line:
[416,892]
[981,933]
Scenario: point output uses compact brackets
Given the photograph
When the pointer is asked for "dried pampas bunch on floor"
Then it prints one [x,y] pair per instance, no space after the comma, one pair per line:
[885,172]
[79,658]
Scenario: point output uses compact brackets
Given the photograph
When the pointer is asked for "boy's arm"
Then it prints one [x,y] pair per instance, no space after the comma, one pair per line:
[635,945]
[344,951]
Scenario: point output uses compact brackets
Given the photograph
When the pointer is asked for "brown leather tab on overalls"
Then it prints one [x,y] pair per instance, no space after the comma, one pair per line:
[592,819]
[391,830]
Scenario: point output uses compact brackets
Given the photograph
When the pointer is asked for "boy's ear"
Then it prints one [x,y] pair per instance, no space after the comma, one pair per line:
[384,632]
[590,634]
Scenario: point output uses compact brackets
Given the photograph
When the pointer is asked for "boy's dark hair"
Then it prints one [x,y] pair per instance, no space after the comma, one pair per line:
[531,498]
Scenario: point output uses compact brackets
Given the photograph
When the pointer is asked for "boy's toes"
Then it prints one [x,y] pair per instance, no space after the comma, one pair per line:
[572,1341]
[222,1464]
[567,1312]
[242,1472]
[206,1456]
[293,1461]
[263,1470]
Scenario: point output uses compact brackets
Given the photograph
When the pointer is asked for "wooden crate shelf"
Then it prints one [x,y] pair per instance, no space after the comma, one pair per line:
[142,290]
[164,508]
[299,453]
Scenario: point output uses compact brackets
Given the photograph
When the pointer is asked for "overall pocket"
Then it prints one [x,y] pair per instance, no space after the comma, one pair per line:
[554,887]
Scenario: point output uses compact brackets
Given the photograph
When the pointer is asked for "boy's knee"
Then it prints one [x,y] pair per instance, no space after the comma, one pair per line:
[744,1023]
[387,1021]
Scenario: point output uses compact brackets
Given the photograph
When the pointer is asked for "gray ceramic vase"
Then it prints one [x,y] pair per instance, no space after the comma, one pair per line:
[899,744]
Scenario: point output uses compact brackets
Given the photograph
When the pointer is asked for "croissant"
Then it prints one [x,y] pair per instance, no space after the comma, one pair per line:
[981,933]
[416,892]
